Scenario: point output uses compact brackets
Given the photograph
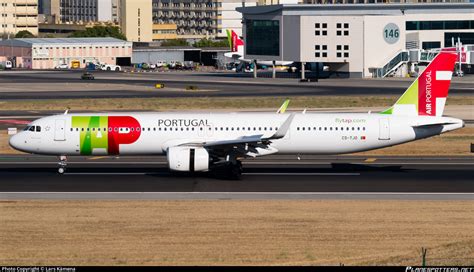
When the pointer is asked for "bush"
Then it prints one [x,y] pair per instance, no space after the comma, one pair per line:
[211,43]
[24,34]
[99,31]
[177,42]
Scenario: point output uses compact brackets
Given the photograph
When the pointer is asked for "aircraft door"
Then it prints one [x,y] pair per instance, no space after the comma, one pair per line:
[384,129]
[60,130]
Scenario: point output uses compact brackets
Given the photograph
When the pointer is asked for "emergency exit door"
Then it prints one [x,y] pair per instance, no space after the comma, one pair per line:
[384,129]
[60,130]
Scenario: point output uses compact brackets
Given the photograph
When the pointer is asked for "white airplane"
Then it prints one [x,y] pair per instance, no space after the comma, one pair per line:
[237,51]
[198,142]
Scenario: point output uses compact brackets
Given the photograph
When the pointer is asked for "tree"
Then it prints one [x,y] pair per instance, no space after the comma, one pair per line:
[24,34]
[211,43]
[177,42]
[99,31]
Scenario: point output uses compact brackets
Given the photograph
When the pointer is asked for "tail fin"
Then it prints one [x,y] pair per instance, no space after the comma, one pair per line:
[427,94]
[234,40]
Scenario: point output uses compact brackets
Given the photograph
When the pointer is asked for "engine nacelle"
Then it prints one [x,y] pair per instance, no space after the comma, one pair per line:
[188,159]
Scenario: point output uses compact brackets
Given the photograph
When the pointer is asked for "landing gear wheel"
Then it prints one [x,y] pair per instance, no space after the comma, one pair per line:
[235,171]
[62,164]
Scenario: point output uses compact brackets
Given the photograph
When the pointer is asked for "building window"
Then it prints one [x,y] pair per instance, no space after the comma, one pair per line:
[342,50]
[321,51]
[321,29]
[439,25]
[342,29]
[263,37]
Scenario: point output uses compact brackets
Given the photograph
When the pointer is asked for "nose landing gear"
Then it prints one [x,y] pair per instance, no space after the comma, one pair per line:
[62,164]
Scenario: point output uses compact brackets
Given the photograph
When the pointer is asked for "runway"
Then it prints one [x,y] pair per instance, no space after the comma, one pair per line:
[273,177]
[223,84]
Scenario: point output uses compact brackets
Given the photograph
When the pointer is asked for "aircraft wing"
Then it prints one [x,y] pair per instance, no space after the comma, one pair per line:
[248,145]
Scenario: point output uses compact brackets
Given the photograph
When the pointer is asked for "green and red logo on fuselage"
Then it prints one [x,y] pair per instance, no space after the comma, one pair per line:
[105,134]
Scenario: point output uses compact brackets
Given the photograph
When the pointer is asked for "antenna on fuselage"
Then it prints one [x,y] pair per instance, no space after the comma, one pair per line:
[67,110]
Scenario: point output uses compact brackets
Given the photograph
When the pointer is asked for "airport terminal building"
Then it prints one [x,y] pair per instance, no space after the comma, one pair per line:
[47,53]
[363,40]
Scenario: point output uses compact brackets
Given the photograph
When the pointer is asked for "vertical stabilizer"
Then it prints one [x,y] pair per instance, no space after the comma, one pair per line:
[427,94]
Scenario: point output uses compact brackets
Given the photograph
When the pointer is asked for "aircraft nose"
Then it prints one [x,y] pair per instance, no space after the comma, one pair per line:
[15,142]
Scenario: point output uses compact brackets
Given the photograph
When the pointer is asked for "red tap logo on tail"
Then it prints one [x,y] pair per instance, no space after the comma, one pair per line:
[433,85]
[236,41]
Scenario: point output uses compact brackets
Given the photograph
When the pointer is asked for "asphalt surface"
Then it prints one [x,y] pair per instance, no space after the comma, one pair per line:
[223,84]
[273,177]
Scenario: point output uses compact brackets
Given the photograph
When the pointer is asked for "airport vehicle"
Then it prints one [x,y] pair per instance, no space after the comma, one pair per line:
[110,67]
[7,65]
[87,76]
[198,142]
[237,51]
[62,66]
[75,64]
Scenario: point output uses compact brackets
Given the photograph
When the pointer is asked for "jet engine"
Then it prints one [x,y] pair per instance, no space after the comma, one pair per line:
[188,159]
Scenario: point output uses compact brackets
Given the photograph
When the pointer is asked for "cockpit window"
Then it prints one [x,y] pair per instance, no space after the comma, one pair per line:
[27,128]
[38,129]
[32,128]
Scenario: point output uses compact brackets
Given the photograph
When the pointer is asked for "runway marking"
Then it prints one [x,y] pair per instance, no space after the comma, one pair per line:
[370,160]
[246,174]
[261,162]
[97,158]
[301,174]
[255,193]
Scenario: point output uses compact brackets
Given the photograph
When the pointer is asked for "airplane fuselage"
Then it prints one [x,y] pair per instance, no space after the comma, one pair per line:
[154,133]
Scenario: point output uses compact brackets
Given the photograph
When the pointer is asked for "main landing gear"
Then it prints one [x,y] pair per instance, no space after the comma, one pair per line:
[62,164]
[228,170]
[235,169]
